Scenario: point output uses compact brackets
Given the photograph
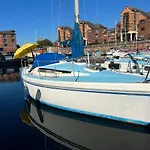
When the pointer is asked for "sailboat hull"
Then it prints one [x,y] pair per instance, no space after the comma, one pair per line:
[101,100]
[86,133]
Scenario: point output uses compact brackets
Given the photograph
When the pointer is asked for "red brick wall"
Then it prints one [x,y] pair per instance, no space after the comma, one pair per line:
[144,29]
[63,34]
[95,35]
[11,45]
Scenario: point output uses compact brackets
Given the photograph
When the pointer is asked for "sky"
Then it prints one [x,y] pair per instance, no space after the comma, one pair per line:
[34,19]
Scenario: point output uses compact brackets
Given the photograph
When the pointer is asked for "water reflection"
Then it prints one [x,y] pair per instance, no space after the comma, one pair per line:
[82,132]
[9,75]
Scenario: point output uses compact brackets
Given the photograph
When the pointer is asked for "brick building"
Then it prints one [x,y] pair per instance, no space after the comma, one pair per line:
[134,24]
[8,41]
[84,27]
[109,35]
[95,34]
[64,33]
[92,33]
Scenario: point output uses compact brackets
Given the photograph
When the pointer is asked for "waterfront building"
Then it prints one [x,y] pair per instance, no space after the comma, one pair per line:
[134,25]
[92,33]
[8,41]
[64,33]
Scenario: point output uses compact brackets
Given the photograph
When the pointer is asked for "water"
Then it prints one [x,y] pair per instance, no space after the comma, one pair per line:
[27,125]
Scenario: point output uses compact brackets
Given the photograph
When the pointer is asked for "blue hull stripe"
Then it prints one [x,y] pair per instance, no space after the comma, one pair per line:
[131,121]
[88,91]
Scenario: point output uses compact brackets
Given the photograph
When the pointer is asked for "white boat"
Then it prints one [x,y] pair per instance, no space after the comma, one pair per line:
[80,132]
[130,63]
[89,90]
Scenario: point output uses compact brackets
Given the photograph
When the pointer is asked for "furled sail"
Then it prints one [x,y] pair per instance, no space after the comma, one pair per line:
[77,42]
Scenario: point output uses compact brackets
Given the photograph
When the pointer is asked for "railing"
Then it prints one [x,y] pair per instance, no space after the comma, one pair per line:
[53,72]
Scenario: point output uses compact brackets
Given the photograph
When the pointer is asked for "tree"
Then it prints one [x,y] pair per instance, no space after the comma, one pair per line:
[44,43]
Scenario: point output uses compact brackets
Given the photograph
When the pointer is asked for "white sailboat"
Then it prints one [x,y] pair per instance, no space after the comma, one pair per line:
[89,90]
[80,132]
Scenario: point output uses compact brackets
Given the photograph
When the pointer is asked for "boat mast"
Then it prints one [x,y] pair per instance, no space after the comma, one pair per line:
[76,9]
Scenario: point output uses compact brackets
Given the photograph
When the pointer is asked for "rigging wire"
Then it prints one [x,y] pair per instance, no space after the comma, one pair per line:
[58,23]
[84,11]
[97,19]
[97,10]
[68,5]
[59,8]
[52,15]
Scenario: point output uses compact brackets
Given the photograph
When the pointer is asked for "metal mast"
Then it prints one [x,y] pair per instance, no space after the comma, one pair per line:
[76,9]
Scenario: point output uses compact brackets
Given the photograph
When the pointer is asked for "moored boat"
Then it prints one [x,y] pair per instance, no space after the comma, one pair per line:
[82,132]
[89,89]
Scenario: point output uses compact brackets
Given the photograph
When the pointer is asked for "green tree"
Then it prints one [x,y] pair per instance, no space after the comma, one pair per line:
[44,43]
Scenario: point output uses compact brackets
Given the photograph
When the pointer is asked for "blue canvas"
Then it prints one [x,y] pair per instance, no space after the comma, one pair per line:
[77,42]
[47,58]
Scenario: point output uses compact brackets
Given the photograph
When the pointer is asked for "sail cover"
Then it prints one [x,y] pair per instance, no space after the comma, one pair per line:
[46,59]
[76,43]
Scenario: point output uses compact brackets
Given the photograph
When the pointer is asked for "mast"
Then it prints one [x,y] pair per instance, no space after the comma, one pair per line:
[76,9]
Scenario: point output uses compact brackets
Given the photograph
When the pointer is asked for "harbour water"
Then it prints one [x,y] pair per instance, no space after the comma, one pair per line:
[27,125]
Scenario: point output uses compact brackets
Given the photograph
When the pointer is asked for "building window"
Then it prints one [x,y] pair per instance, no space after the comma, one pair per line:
[142,21]
[4,36]
[126,21]
[135,19]
[13,44]
[96,31]
[142,29]
[5,40]
[148,36]
[5,44]
[12,40]
[59,36]
[12,36]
